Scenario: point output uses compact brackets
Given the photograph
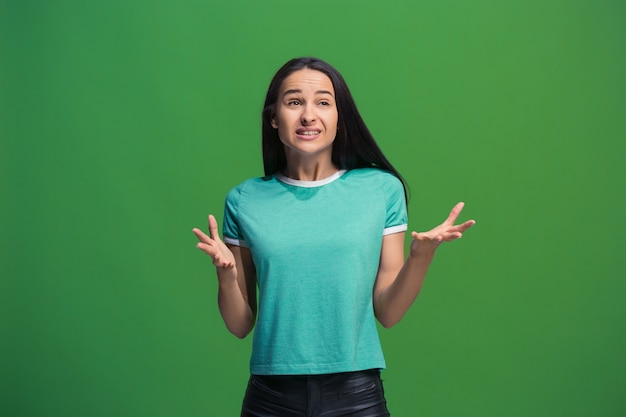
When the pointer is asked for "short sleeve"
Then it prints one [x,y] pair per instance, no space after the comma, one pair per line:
[231,230]
[397,217]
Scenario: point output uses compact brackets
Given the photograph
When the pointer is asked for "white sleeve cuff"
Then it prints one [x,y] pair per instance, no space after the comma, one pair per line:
[236,242]
[395,229]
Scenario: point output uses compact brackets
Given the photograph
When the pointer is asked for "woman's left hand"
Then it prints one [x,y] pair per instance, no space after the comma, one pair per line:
[426,242]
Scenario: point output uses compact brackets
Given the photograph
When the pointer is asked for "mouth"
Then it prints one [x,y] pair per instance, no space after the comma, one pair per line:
[308,132]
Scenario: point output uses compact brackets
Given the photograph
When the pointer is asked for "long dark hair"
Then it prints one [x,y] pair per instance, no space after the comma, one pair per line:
[354,145]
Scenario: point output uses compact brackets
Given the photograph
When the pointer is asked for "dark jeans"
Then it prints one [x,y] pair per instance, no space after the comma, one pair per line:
[354,394]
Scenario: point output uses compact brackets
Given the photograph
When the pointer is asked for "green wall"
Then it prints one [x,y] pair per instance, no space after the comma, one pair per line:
[124,123]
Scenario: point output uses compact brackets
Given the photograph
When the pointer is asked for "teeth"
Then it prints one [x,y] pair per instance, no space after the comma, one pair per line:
[310,132]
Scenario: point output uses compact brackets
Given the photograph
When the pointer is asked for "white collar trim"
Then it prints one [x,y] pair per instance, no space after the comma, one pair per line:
[310,184]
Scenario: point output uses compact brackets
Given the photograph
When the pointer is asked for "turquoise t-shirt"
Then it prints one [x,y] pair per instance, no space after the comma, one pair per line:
[316,247]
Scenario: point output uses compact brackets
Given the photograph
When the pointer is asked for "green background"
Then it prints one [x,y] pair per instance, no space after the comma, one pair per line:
[124,123]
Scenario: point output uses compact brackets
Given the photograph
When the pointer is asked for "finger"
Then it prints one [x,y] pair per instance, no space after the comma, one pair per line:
[461,227]
[449,237]
[466,225]
[432,237]
[454,213]
[208,249]
[202,237]
[213,228]
[222,262]
[218,262]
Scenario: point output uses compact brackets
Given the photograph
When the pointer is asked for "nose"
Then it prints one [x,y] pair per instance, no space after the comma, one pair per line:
[308,115]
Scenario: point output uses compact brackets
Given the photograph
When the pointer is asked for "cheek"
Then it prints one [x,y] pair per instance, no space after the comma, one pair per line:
[283,133]
[334,123]
[329,117]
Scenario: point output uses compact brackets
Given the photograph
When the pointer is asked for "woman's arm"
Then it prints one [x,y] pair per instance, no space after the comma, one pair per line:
[237,297]
[236,276]
[399,282]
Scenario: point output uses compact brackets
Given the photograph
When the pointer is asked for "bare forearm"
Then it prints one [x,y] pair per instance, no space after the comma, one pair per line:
[236,275]
[395,300]
[399,281]
[234,307]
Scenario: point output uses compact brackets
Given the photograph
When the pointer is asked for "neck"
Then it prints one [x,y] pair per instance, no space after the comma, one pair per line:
[309,170]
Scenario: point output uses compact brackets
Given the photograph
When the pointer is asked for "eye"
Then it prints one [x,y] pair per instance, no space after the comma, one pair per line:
[324,103]
[293,102]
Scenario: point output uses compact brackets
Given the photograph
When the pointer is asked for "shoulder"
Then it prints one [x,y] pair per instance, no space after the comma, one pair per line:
[250,186]
[375,177]
[382,183]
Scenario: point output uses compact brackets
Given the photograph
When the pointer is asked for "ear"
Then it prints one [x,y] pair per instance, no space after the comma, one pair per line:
[274,122]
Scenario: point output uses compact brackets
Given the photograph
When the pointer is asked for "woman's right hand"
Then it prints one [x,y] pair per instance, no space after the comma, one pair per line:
[236,276]
[213,246]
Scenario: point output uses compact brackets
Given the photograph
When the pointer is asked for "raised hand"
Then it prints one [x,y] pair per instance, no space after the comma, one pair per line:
[213,246]
[427,242]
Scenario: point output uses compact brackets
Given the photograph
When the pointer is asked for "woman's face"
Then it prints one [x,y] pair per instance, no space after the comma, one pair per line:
[306,115]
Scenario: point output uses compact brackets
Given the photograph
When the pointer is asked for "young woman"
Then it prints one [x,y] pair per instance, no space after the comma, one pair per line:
[321,236]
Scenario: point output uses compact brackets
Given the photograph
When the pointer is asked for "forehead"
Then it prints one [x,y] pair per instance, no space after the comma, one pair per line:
[307,80]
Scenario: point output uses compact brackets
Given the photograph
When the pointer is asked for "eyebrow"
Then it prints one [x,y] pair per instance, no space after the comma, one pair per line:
[294,91]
